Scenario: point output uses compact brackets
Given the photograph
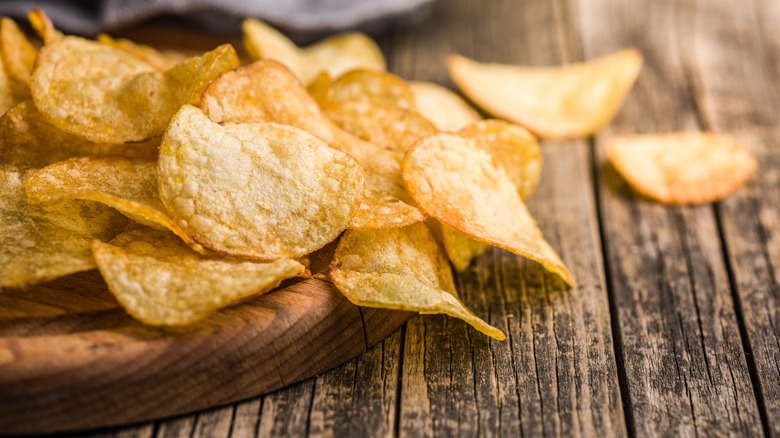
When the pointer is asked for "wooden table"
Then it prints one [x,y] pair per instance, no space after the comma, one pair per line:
[674,327]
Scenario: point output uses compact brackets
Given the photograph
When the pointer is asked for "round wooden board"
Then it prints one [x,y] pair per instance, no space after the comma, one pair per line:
[72,359]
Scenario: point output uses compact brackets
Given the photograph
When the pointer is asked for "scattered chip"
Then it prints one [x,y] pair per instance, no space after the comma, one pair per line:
[377,87]
[455,181]
[40,241]
[262,191]
[28,140]
[43,26]
[682,167]
[161,281]
[335,55]
[271,92]
[106,94]
[161,60]
[447,110]
[128,185]
[400,268]
[569,101]
[393,128]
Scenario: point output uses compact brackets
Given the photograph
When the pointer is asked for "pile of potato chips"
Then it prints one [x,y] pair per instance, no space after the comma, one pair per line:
[193,183]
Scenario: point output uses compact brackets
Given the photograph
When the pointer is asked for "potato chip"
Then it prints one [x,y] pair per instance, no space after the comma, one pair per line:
[28,140]
[400,268]
[160,60]
[269,91]
[18,55]
[569,101]
[458,183]
[334,55]
[393,128]
[320,89]
[447,110]
[105,94]
[378,87]
[682,167]
[128,185]
[8,96]
[161,281]
[40,241]
[263,190]
[513,148]
[43,26]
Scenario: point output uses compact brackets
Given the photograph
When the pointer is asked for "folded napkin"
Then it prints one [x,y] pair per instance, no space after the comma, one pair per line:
[300,18]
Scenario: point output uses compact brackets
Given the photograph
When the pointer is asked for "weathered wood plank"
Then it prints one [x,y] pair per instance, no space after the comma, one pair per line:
[685,369]
[556,373]
[733,58]
[285,413]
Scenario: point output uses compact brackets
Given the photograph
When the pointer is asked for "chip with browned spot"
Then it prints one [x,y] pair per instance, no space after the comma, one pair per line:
[460,184]
[161,281]
[682,167]
[400,268]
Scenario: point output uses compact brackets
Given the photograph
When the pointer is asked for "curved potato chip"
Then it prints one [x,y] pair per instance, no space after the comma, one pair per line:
[568,101]
[682,167]
[378,87]
[513,148]
[400,268]
[273,93]
[129,186]
[458,183]
[264,191]
[43,26]
[393,128]
[40,241]
[160,60]
[18,55]
[28,140]
[335,55]
[447,110]
[161,281]
[320,89]
[105,94]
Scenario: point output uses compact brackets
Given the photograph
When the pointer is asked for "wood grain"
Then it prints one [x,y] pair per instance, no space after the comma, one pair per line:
[66,366]
[684,366]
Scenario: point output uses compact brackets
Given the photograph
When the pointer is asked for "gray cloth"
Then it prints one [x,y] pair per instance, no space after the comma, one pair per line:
[303,19]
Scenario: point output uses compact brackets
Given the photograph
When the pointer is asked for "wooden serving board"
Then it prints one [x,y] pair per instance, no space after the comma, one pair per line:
[72,359]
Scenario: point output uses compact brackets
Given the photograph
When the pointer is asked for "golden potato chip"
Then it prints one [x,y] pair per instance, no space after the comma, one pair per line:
[458,183]
[269,91]
[568,101]
[43,26]
[320,89]
[263,190]
[161,281]
[160,60]
[393,128]
[400,268]
[682,167]
[18,55]
[513,148]
[28,140]
[447,110]
[334,55]
[8,96]
[105,94]
[128,185]
[378,87]
[40,241]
